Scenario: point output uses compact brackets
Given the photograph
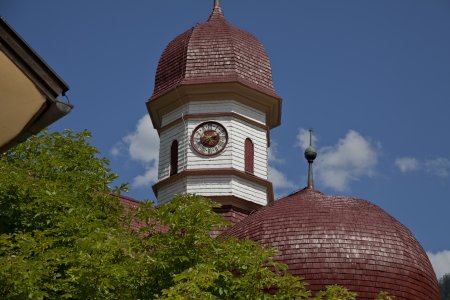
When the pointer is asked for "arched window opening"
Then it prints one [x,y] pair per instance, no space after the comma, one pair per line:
[174,158]
[249,156]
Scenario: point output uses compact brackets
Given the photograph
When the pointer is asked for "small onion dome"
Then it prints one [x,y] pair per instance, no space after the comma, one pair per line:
[213,52]
[343,240]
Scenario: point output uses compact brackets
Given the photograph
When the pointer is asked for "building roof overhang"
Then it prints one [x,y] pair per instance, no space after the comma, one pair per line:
[235,90]
[29,96]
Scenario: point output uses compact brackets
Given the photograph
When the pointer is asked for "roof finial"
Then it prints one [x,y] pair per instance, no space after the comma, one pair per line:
[216,12]
[310,155]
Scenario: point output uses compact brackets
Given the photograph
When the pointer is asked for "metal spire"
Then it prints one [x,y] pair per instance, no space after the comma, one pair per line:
[310,155]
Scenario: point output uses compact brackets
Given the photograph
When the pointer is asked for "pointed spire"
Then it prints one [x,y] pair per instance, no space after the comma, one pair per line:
[216,12]
[310,155]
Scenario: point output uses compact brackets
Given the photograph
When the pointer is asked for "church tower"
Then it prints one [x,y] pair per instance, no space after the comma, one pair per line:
[213,106]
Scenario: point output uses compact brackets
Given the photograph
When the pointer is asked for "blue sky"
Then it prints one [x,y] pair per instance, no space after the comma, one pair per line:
[371,77]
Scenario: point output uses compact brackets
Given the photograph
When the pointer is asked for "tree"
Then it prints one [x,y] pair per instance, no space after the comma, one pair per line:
[444,287]
[60,229]
[64,235]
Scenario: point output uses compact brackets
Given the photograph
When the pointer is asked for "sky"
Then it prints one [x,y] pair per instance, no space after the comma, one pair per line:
[370,77]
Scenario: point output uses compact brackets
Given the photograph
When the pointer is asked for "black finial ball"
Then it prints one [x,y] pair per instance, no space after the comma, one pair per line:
[310,154]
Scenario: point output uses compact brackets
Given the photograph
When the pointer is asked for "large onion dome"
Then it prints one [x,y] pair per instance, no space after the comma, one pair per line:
[211,52]
[343,240]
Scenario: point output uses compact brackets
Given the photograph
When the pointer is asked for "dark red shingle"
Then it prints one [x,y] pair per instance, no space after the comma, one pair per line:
[343,240]
[211,52]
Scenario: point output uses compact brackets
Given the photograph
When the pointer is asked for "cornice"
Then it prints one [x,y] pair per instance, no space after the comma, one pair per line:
[270,105]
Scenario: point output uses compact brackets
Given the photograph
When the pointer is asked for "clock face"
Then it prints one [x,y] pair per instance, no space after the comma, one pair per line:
[209,138]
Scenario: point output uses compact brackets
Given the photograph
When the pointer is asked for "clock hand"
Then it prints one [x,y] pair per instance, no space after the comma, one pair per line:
[211,136]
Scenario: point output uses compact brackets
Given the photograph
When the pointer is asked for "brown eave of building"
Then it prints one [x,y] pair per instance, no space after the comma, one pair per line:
[48,84]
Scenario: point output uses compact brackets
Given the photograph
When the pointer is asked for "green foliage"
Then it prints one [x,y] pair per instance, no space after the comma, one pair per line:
[197,266]
[384,296]
[335,292]
[63,236]
[60,232]
[444,287]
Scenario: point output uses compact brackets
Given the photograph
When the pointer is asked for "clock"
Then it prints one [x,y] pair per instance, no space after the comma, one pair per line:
[209,138]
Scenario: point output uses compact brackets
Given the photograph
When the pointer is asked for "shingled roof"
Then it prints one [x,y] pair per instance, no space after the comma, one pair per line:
[211,52]
[343,240]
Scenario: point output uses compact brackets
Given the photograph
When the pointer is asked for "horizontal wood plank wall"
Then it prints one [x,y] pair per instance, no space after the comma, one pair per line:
[240,132]
[198,107]
[233,154]
[210,185]
[248,190]
[167,193]
[231,157]
[165,142]
[222,185]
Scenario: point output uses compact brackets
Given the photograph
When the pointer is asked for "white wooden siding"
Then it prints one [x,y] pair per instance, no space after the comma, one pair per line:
[209,185]
[166,139]
[174,115]
[166,193]
[249,190]
[223,185]
[217,106]
[232,156]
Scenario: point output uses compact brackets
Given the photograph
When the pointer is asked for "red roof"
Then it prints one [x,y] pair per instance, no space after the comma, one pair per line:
[343,240]
[211,52]
[131,206]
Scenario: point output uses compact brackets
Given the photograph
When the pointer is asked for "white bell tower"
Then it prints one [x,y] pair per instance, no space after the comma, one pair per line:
[213,107]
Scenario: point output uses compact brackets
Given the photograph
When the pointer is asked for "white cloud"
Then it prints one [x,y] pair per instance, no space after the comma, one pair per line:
[303,138]
[115,150]
[278,179]
[407,164]
[142,146]
[350,159]
[143,143]
[441,262]
[272,154]
[150,175]
[439,167]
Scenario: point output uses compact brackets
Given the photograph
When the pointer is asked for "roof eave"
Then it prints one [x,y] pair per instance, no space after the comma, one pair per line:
[30,62]
[50,113]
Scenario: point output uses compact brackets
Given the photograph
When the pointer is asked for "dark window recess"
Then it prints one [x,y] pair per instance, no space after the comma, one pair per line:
[249,156]
[174,158]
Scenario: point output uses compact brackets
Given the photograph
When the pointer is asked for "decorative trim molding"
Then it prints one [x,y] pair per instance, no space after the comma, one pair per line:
[270,105]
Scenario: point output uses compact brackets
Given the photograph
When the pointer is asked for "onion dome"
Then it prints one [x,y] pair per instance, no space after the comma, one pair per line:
[213,52]
[343,240]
